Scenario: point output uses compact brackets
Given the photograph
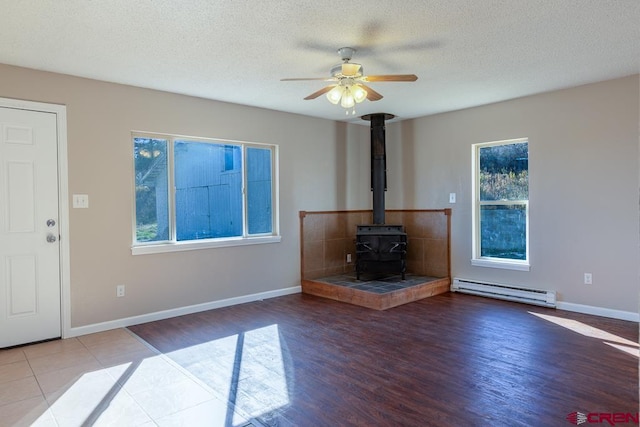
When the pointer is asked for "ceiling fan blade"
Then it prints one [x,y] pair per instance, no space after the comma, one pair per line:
[391,78]
[372,95]
[317,93]
[326,79]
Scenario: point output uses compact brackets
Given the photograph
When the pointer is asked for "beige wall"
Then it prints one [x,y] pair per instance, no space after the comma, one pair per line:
[583,163]
[100,116]
[584,188]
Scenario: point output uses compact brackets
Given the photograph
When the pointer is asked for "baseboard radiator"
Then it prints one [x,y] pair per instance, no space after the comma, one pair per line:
[506,292]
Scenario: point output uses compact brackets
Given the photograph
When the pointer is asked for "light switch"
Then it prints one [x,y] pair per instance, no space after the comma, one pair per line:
[81,201]
[452,197]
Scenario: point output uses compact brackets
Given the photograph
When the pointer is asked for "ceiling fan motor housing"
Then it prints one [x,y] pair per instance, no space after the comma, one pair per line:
[346,53]
[347,69]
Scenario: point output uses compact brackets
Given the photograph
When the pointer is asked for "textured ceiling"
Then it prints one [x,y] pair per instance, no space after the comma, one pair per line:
[465,53]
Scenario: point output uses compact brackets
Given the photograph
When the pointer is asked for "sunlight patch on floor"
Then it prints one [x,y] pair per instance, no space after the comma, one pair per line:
[140,392]
[608,338]
[632,351]
[94,398]
[247,370]
[262,383]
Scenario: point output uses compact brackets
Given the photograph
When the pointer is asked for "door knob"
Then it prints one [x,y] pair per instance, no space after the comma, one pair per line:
[51,238]
[51,222]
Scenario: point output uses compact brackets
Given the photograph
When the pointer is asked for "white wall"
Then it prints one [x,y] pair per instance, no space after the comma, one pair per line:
[583,165]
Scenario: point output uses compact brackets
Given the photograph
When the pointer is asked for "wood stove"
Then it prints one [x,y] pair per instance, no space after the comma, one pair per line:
[380,248]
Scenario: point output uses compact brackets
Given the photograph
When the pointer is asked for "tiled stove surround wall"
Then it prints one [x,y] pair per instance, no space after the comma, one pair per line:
[327,238]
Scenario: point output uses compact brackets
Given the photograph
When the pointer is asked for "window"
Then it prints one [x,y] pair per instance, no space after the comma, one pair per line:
[193,192]
[501,204]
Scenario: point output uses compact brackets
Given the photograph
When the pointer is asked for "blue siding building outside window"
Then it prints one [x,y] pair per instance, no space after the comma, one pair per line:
[209,201]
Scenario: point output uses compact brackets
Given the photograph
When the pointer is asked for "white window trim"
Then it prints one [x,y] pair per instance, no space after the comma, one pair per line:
[476,259]
[500,263]
[189,245]
[173,245]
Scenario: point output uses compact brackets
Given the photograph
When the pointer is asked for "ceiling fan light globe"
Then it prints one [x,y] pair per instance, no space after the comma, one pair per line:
[335,94]
[359,93]
[347,99]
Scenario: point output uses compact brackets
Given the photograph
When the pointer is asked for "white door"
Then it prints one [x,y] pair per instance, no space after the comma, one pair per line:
[29,241]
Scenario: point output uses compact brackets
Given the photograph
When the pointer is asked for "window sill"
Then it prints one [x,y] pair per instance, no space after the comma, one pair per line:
[157,248]
[507,265]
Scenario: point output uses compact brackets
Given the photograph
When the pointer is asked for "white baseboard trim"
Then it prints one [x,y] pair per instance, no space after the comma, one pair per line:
[166,314]
[599,311]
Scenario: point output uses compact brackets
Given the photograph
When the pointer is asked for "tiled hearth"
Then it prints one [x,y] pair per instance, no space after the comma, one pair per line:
[328,255]
[378,293]
[377,284]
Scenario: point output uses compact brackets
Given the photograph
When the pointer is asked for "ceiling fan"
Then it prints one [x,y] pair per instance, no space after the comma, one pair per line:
[348,82]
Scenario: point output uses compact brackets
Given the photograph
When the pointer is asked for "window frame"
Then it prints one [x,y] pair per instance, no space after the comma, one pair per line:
[484,261]
[174,245]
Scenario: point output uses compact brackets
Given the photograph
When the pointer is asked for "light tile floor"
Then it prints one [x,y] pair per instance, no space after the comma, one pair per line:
[110,378]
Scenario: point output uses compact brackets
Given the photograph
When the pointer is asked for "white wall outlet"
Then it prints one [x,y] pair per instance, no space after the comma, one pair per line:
[452,197]
[588,278]
[120,290]
[348,258]
[81,201]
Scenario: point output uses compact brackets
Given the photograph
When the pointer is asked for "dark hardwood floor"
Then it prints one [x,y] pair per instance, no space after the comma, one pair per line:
[448,360]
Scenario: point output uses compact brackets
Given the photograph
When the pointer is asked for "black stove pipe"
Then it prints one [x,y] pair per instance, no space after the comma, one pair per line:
[378,163]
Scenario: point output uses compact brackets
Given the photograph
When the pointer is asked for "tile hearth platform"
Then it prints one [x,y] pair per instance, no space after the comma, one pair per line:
[376,291]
